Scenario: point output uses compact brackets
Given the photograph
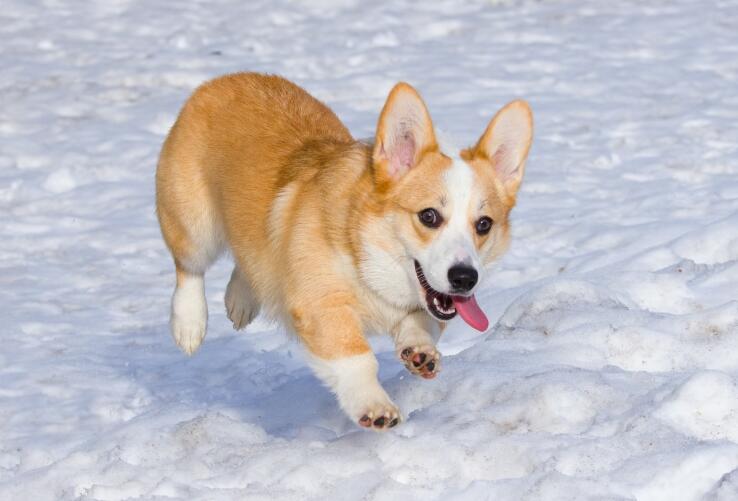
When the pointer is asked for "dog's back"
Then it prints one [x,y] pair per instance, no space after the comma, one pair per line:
[240,127]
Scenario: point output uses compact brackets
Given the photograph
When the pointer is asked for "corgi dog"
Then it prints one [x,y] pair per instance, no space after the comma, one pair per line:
[335,237]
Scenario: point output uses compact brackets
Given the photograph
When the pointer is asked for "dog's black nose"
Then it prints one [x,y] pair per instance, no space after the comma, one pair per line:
[462,278]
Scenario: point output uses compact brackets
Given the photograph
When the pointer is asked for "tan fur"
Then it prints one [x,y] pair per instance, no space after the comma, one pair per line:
[237,142]
[257,166]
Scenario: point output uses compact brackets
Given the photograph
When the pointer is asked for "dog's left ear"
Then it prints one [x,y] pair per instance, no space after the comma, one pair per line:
[506,142]
[404,134]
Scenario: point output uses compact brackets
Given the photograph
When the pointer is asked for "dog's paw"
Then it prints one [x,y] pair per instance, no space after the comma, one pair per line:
[241,305]
[380,417]
[189,318]
[240,312]
[187,335]
[423,360]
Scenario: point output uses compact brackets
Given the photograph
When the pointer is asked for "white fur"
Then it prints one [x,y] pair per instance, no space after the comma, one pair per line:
[354,382]
[416,329]
[189,313]
[387,275]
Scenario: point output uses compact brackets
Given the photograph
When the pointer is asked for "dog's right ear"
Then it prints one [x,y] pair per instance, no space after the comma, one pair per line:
[404,135]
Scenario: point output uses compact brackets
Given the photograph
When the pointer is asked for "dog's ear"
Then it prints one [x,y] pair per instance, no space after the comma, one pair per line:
[506,142]
[404,134]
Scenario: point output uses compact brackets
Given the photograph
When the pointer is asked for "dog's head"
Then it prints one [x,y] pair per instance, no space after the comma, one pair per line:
[448,209]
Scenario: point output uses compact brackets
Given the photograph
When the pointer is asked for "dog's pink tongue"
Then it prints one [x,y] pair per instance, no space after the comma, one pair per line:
[470,311]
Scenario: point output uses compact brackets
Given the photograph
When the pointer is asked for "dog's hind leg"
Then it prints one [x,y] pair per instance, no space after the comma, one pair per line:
[240,301]
[193,255]
[194,236]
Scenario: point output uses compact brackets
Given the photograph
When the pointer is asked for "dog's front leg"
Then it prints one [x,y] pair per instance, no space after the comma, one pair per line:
[415,343]
[343,360]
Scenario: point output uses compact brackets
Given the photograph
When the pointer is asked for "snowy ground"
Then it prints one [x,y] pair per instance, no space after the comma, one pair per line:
[610,374]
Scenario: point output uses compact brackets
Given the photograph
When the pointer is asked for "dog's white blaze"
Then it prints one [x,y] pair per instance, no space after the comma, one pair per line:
[460,182]
[464,195]
[455,244]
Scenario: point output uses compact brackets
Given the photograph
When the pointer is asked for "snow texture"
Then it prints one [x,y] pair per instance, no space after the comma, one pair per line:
[610,370]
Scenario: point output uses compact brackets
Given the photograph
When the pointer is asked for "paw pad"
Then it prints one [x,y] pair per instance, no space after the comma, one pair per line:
[423,361]
[380,420]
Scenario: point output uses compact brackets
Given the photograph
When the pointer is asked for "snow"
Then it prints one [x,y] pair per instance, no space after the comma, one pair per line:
[609,372]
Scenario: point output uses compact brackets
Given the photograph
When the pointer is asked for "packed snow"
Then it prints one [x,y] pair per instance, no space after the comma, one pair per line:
[610,370]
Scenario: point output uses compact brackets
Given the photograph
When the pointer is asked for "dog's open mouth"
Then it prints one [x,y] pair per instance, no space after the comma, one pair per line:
[439,304]
[445,307]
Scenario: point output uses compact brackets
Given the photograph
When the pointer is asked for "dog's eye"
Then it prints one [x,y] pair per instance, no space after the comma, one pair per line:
[484,224]
[430,217]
